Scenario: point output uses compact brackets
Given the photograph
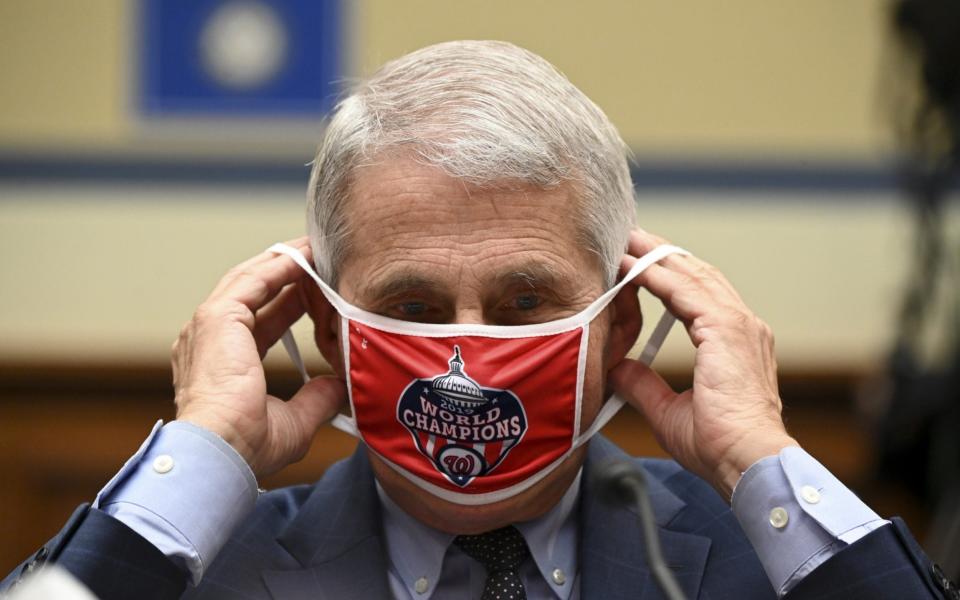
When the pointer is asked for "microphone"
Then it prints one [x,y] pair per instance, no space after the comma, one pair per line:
[621,484]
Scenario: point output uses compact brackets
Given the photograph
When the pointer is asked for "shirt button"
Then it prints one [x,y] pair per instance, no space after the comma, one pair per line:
[421,585]
[810,494]
[559,577]
[779,517]
[163,463]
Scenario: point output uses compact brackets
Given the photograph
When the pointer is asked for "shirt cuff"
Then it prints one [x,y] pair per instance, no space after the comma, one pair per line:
[797,515]
[184,490]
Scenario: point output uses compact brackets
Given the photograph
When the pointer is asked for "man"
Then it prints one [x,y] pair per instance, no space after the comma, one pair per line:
[469,185]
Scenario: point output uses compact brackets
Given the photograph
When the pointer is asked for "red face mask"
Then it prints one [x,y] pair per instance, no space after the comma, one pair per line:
[472,414]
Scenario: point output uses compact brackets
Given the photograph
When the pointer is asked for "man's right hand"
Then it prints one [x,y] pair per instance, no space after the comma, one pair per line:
[217,371]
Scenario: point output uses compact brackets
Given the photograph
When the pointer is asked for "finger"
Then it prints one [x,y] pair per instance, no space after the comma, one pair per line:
[626,263]
[718,288]
[686,298]
[318,401]
[301,243]
[700,269]
[641,242]
[278,315]
[642,388]
[260,283]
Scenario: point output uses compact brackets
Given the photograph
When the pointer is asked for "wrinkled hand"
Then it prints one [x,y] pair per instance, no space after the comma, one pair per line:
[217,371]
[731,416]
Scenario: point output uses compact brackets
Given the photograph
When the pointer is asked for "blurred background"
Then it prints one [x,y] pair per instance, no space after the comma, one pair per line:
[805,148]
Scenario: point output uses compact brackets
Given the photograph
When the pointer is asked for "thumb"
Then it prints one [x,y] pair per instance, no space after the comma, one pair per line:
[318,401]
[642,388]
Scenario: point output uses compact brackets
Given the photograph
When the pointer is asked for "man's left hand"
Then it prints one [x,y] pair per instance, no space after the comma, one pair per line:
[730,418]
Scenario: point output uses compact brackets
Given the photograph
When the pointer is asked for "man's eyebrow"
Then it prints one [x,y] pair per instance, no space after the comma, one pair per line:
[400,283]
[533,275]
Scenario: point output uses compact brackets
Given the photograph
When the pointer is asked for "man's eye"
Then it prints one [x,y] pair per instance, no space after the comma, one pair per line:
[526,302]
[412,309]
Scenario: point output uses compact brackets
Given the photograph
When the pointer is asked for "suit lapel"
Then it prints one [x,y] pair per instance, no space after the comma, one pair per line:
[336,538]
[612,553]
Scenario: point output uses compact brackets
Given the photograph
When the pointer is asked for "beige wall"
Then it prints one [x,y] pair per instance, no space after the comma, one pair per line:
[109,272]
[89,275]
[791,77]
[751,75]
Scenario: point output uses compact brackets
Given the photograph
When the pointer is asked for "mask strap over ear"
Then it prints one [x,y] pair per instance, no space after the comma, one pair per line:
[290,345]
[342,422]
[643,263]
[615,403]
[654,342]
[332,296]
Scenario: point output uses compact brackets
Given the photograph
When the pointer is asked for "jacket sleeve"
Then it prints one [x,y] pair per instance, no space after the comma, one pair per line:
[108,557]
[885,564]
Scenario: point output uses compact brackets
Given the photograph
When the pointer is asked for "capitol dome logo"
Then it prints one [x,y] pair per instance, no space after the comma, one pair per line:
[464,429]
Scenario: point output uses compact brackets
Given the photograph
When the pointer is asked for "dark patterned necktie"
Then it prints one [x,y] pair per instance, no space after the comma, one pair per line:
[500,552]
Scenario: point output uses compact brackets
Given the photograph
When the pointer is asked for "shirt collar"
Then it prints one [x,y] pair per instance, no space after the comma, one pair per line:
[552,540]
[416,550]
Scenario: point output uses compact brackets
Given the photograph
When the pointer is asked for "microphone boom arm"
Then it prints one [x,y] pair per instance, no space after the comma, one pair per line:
[620,483]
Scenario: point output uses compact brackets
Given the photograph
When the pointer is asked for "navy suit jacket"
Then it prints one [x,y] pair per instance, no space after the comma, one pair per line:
[325,541]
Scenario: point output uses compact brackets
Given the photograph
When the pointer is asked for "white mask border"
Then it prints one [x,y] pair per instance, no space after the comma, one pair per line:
[391,325]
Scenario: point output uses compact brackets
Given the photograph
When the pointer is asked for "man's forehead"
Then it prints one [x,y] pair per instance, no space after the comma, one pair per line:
[400,182]
[412,226]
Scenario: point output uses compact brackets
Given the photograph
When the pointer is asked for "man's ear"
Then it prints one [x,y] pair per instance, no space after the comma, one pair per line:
[625,326]
[326,327]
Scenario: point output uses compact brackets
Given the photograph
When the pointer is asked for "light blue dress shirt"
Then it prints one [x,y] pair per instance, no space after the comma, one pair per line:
[424,563]
[186,489]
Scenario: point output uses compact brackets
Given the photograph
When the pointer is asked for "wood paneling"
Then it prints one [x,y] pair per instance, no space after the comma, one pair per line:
[64,431]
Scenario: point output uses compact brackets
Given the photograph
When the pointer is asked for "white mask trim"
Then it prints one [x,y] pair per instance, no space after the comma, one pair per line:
[345,423]
[390,325]
[581,370]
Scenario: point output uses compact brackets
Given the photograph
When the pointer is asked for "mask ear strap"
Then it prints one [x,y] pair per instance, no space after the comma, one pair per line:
[346,424]
[656,339]
[332,296]
[290,345]
[654,342]
[342,422]
[657,254]
[615,403]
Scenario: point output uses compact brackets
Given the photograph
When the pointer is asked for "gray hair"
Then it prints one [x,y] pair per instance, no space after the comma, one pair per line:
[485,112]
